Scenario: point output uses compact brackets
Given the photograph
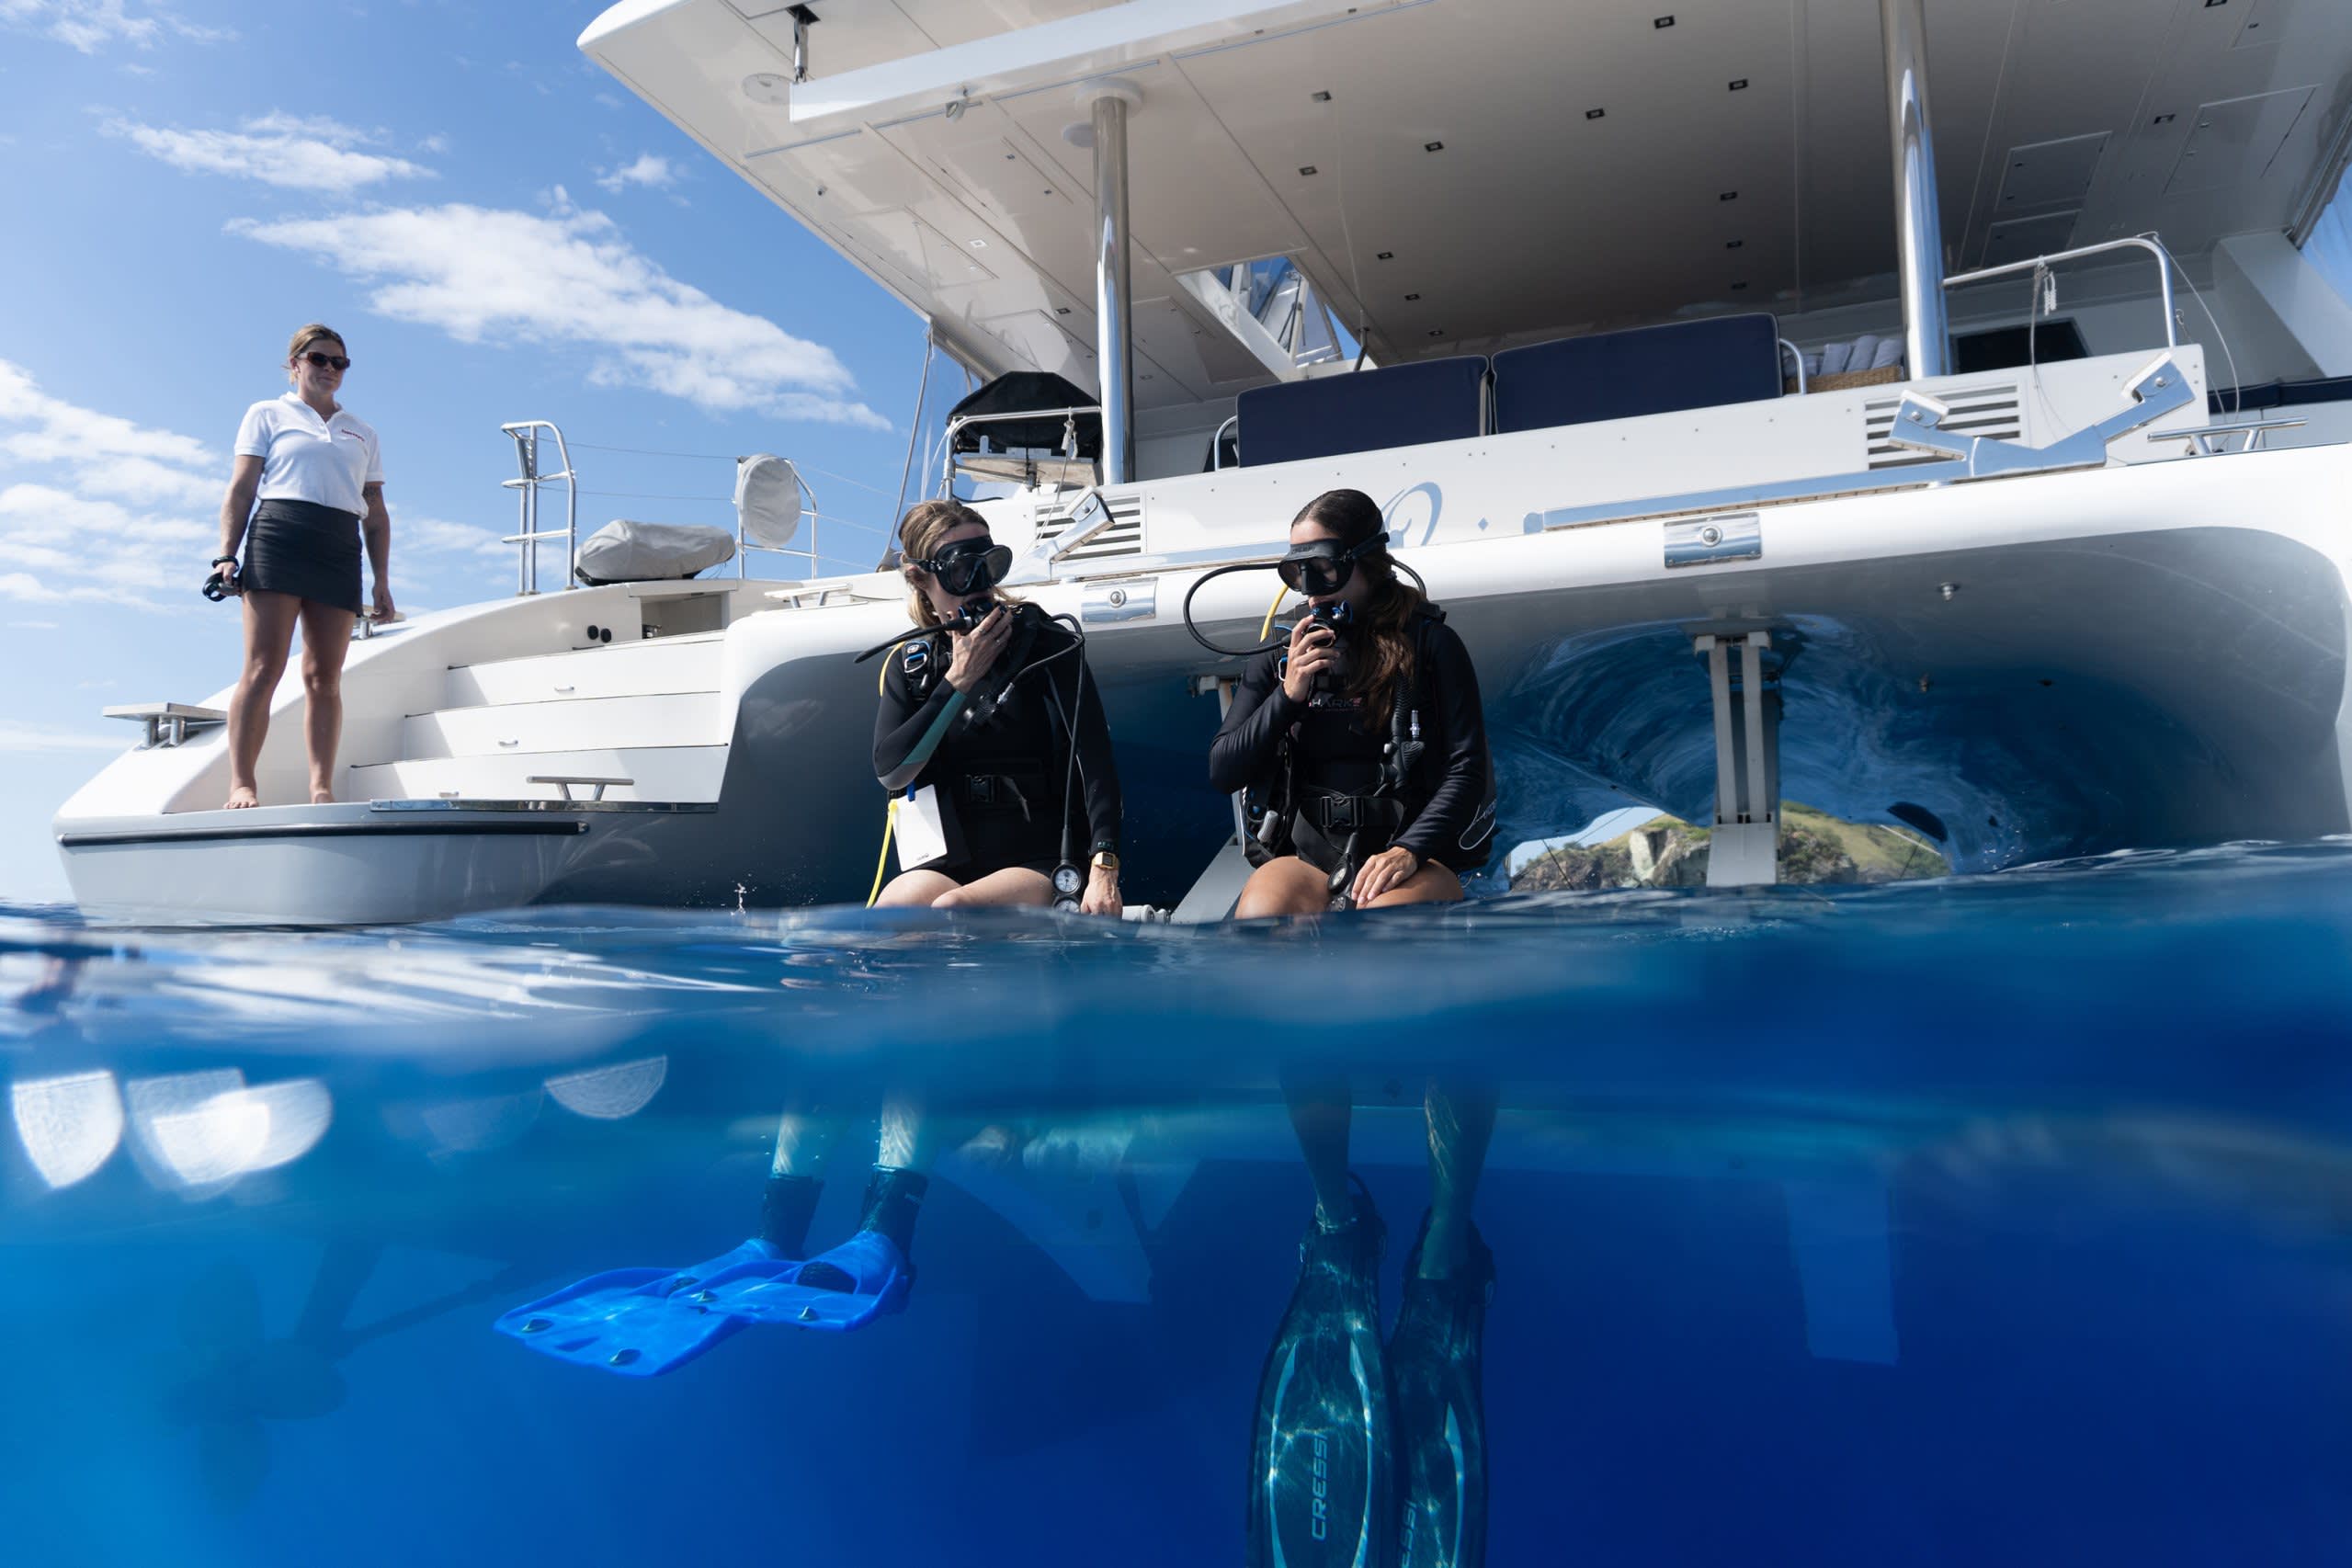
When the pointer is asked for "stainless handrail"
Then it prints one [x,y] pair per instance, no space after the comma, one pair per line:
[2040,263]
[1069,432]
[526,434]
[1217,442]
[1798,356]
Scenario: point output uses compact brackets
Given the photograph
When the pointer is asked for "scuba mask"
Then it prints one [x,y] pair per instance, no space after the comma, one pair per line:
[968,566]
[1324,566]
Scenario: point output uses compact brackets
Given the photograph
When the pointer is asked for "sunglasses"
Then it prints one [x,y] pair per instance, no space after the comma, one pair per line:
[325,361]
[968,567]
[1324,566]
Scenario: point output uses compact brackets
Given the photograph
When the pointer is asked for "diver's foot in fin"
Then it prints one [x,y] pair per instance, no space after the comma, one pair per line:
[639,1322]
[1434,1363]
[1322,1475]
[845,1287]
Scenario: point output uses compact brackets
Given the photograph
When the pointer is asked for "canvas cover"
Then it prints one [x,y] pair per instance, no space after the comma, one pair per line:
[626,552]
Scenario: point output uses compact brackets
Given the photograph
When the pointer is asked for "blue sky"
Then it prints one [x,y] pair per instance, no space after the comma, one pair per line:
[499,231]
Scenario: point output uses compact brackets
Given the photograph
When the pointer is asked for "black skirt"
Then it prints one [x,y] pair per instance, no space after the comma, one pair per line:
[303,548]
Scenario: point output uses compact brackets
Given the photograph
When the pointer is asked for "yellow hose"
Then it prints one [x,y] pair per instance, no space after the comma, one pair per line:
[1266,627]
[889,825]
[890,817]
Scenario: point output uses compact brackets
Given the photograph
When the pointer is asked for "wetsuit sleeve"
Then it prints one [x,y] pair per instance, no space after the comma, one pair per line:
[907,731]
[1098,768]
[1252,734]
[1461,741]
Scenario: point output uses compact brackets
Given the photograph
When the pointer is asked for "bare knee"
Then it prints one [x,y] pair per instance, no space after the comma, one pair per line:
[319,683]
[262,671]
[954,898]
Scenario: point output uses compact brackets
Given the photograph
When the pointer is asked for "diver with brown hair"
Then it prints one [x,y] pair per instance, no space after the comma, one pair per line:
[1361,744]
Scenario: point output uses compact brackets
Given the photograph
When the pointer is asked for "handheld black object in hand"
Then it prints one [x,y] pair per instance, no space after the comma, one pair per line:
[225,570]
[1340,619]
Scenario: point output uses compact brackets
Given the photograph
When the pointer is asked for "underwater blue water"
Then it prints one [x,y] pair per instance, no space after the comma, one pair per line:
[2006,1219]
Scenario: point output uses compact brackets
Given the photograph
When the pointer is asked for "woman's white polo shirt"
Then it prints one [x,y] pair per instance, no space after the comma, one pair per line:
[325,461]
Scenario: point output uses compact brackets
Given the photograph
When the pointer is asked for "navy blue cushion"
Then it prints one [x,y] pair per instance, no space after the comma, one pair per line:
[1651,369]
[1397,405]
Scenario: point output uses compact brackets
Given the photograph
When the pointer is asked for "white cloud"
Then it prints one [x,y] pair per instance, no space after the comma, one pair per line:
[91,25]
[437,535]
[650,170]
[97,507]
[570,276]
[17,737]
[290,151]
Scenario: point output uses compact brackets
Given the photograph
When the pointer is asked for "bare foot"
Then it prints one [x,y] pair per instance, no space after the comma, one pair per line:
[239,797]
[322,797]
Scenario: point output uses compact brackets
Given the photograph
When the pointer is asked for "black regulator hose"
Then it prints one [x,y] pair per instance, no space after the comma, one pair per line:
[1206,577]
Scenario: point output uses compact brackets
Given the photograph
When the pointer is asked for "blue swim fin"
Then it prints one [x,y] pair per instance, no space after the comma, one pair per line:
[639,1323]
[846,1287]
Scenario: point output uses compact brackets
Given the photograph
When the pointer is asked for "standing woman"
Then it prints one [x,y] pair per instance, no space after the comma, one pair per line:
[318,476]
[1004,721]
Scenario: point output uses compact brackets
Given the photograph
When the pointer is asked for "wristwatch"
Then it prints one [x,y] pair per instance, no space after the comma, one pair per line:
[1106,860]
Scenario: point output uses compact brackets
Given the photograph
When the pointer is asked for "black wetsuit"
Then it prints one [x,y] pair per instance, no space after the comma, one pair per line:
[1005,774]
[1442,810]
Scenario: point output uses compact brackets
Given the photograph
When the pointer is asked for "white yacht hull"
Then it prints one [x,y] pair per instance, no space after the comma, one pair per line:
[2051,664]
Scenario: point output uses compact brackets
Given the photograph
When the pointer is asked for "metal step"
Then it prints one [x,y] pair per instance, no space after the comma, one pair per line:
[616,669]
[673,719]
[662,773]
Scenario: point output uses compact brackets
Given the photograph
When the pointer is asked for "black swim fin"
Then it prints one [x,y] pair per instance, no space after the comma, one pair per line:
[1322,1470]
[1433,1366]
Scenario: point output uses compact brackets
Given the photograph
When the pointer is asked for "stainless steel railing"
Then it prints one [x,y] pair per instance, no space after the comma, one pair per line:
[1069,433]
[2039,264]
[526,434]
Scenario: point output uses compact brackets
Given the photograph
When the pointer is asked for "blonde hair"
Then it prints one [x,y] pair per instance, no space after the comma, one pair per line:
[919,533]
[312,332]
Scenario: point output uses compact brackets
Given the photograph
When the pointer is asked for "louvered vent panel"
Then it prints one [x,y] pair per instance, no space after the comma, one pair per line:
[1978,411]
[1124,537]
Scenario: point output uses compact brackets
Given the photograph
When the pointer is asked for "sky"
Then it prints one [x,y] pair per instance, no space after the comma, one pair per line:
[499,231]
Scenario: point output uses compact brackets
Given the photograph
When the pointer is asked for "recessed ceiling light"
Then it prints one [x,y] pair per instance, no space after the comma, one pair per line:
[1323,97]
[1306,168]
[977,245]
[1594,113]
[1436,332]
[1433,146]
[1413,296]
[1729,196]
[1061,310]
[768,87]
[1740,85]
[1739,285]
[1386,256]
[2161,120]
[1662,21]
[1733,244]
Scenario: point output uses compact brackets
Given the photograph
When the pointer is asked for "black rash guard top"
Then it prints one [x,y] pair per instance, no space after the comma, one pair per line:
[1447,800]
[926,732]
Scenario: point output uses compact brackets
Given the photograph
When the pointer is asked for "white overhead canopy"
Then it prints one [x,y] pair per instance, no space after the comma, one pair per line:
[1482,171]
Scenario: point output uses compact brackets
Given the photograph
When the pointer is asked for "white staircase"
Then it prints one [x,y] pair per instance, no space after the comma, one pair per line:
[648,711]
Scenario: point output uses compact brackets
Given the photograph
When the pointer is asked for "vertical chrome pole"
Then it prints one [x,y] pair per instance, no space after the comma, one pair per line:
[1919,230]
[1109,103]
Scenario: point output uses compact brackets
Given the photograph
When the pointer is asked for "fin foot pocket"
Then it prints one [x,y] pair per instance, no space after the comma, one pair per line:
[844,1289]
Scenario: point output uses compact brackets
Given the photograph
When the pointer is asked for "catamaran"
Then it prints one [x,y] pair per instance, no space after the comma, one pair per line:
[1774,416]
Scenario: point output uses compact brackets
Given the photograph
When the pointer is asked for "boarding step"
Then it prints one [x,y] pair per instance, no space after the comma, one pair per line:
[678,719]
[658,773]
[615,669]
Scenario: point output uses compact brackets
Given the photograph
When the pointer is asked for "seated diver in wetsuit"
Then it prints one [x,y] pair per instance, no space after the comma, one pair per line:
[987,715]
[1364,741]
[1001,719]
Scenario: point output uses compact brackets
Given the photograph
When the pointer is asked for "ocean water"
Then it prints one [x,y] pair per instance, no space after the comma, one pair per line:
[2007,1218]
